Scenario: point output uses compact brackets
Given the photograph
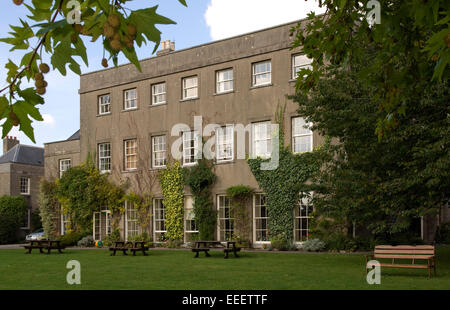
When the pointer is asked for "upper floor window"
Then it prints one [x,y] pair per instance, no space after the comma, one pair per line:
[64,164]
[130,150]
[104,157]
[130,99]
[25,186]
[104,105]
[224,144]
[191,143]
[299,62]
[224,81]
[159,151]
[158,93]
[261,139]
[302,138]
[190,87]
[262,73]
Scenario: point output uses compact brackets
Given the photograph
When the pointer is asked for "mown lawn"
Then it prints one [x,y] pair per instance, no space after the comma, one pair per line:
[165,269]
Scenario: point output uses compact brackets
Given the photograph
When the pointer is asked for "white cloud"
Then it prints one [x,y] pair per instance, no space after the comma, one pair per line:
[48,119]
[227,18]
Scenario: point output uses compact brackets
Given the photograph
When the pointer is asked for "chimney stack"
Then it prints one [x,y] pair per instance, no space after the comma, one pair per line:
[166,48]
[9,142]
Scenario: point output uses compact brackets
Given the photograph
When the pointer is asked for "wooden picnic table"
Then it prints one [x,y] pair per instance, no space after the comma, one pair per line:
[44,245]
[206,245]
[133,246]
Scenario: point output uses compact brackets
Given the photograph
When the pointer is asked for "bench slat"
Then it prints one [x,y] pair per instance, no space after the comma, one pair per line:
[415,251]
[406,247]
[405,266]
[403,256]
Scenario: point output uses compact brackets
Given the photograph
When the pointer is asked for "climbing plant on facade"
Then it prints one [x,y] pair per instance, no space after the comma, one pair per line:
[49,208]
[283,185]
[200,179]
[240,196]
[172,186]
[143,205]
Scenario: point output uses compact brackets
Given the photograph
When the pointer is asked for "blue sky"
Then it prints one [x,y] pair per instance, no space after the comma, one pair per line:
[201,22]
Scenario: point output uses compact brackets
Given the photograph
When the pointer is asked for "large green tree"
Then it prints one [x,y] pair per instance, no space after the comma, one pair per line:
[380,185]
[411,40]
[55,30]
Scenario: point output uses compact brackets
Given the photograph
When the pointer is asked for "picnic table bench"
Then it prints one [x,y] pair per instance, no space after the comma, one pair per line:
[405,252]
[205,246]
[139,246]
[134,247]
[44,244]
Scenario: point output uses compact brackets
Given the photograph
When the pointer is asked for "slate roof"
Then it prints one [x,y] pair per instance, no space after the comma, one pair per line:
[75,136]
[24,154]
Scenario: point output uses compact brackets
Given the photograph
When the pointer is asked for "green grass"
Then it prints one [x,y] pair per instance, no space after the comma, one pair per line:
[165,269]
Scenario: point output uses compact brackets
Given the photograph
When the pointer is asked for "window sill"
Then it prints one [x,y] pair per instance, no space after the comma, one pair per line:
[224,93]
[157,105]
[25,194]
[189,99]
[292,80]
[129,110]
[224,162]
[261,86]
[104,114]
[190,165]
[157,168]
[129,171]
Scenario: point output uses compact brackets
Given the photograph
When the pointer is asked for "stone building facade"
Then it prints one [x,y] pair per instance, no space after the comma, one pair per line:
[21,170]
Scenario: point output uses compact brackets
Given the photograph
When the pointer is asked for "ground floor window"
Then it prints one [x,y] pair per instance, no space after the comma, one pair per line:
[159,219]
[190,226]
[102,224]
[65,223]
[131,224]
[302,217]
[225,220]
[260,218]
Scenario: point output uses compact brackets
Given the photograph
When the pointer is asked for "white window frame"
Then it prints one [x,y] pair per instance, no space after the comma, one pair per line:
[220,81]
[224,140]
[228,233]
[185,88]
[127,155]
[192,157]
[254,74]
[104,106]
[66,166]
[130,210]
[189,216]
[23,190]
[267,139]
[127,99]
[300,135]
[162,211]
[107,224]
[156,95]
[257,218]
[305,202]
[103,158]
[156,150]
[65,219]
[304,63]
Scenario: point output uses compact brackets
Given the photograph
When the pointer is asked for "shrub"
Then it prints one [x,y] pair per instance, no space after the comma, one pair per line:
[35,220]
[281,243]
[110,239]
[313,245]
[142,237]
[71,239]
[12,212]
[87,241]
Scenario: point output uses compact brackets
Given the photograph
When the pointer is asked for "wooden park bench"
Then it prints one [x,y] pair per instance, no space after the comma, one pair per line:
[119,246]
[405,252]
[138,246]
